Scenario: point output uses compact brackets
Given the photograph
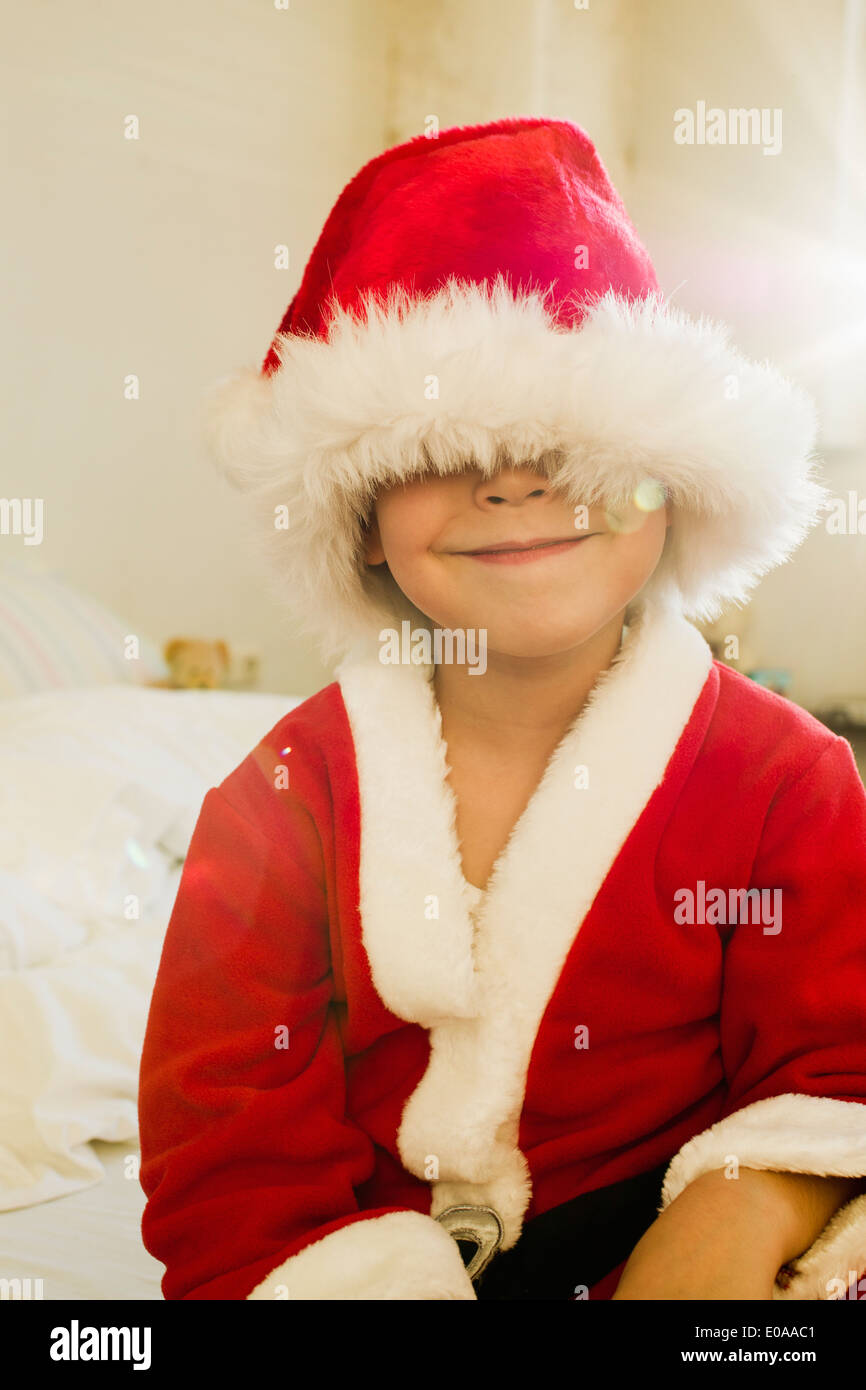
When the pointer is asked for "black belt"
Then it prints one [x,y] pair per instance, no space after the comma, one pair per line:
[572,1246]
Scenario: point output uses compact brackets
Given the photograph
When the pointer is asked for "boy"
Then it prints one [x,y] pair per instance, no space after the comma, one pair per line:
[541,976]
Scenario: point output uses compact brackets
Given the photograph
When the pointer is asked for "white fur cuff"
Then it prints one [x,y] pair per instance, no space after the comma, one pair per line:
[401,1255]
[793,1134]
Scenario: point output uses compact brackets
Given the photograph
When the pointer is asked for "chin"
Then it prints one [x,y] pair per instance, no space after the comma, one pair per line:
[534,642]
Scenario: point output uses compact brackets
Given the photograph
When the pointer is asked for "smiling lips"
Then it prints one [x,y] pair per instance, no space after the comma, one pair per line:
[522,552]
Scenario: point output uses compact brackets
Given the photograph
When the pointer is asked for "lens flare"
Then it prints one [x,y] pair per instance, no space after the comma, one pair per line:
[649,495]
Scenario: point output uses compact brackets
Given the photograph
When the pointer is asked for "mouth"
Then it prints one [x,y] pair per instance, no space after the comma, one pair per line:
[524,552]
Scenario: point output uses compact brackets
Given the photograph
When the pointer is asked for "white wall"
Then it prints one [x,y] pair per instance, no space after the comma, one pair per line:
[774,245]
[481,61]
[155,257]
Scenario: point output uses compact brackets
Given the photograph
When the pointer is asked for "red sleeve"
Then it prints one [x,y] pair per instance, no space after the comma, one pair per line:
[247,1154]
[793,1012]
[793,1018]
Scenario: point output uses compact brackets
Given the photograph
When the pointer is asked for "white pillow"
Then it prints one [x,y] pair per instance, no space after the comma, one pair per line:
[54,637]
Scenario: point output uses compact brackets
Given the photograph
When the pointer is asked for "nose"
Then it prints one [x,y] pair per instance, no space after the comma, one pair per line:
[510,487]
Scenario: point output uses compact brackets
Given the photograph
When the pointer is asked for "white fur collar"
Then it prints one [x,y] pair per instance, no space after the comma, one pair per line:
[483,999]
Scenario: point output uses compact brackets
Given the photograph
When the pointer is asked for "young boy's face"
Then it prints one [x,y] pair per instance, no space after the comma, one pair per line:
[436,533]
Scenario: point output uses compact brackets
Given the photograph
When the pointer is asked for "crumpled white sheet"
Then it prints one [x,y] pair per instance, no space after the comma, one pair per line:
[100,790]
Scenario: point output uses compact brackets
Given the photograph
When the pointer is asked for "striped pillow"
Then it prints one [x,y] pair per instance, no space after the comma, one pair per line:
[53,637]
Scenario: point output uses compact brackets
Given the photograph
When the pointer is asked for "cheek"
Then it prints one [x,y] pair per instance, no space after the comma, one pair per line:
[406,533]
[644,546]
[631,559]
[405,549]
[428,583]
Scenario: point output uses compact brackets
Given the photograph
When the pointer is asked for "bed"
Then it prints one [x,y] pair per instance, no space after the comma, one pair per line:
[100,788]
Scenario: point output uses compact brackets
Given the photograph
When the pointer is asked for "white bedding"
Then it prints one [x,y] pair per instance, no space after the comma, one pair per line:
[87,1244]
[99,793]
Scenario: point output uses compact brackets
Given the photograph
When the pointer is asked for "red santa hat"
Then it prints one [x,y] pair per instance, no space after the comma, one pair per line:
[482,298]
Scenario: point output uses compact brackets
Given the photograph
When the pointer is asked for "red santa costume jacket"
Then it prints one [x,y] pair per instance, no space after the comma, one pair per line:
[340,1048]
[304,1170]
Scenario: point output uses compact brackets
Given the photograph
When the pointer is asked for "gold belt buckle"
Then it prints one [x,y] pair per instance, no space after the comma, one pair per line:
[480,1225]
